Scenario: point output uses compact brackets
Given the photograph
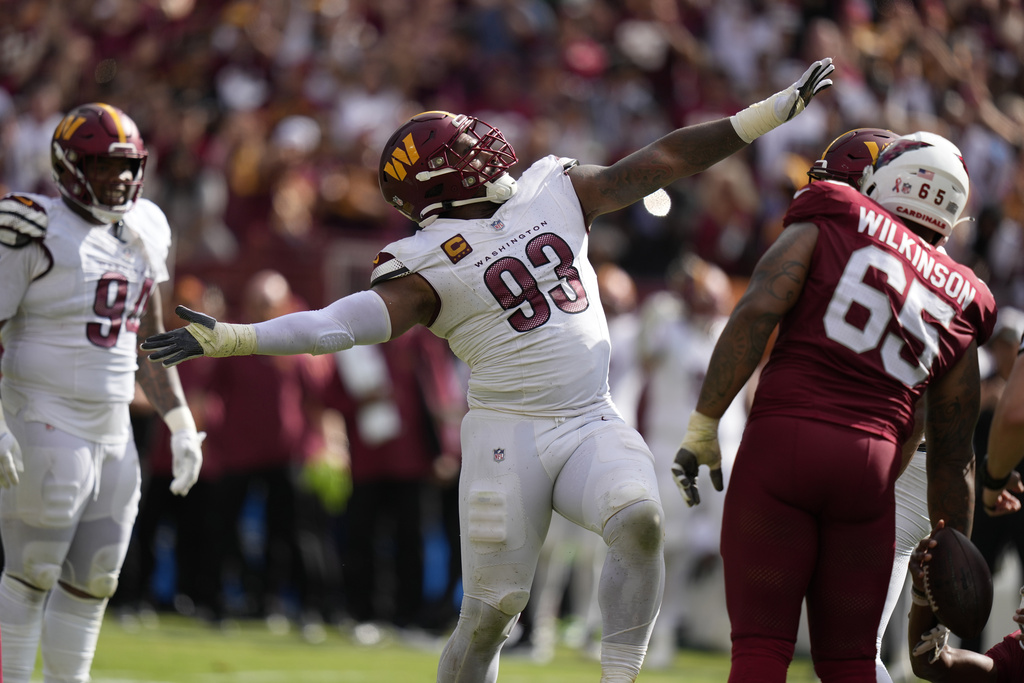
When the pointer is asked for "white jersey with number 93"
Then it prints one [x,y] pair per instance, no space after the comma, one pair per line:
[519,299]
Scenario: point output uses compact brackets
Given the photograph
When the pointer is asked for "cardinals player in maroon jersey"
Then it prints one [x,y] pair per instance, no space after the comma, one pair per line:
[871,314]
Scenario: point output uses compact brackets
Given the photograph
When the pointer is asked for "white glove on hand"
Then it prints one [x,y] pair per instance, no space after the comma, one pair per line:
[10,457]
[759,118]
[699,447]
[186,449]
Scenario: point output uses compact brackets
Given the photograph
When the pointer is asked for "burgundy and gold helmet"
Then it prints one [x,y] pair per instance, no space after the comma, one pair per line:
[846,157]
[88,137]
[438,160]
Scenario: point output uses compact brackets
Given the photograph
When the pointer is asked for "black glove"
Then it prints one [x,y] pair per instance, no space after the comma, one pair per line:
[176,346]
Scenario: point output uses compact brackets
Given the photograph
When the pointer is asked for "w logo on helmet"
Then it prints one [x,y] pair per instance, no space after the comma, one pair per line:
[67,127]
[400,158]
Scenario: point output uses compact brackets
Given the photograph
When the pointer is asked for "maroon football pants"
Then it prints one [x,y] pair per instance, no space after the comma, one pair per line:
[809,513]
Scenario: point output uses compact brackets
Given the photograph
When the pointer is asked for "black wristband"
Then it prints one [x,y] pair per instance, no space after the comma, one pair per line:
[989,482]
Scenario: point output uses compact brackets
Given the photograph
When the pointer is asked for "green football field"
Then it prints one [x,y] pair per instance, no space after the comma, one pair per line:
[180,650]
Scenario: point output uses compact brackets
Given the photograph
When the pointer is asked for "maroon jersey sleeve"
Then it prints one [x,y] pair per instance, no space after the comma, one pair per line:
[881,315]
[1009,658]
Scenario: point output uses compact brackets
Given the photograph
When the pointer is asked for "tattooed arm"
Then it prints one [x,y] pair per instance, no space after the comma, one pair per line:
[775,287]
[161,385]
[952,413]
[681,153]
[692,149]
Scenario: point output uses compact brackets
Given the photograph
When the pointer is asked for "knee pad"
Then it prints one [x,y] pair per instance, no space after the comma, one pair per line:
[101,580]
[102,585]
[41,564]
[641,523]
[488,622]
[514,602]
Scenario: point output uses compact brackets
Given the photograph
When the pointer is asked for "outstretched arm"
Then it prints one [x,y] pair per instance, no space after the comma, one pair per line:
[366,317]
[690,150]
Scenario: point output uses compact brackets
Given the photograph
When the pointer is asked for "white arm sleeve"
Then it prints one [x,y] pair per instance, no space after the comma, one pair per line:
[361,318]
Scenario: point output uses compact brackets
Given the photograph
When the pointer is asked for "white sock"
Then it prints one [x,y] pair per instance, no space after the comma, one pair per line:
[71,628]
[620,663]
[21,622]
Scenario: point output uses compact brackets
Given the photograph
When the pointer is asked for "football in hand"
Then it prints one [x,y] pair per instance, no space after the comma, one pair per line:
[958,583]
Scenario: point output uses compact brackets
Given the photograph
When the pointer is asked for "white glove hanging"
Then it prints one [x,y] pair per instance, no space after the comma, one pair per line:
[186,449]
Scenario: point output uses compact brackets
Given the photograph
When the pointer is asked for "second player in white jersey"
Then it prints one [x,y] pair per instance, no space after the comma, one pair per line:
[78,285]
[70,337]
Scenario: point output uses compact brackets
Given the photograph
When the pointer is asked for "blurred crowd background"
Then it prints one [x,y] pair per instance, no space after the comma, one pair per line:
[265,120]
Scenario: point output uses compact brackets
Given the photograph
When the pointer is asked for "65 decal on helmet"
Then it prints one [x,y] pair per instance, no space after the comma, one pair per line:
[921,177]
[438,160]
[85,147]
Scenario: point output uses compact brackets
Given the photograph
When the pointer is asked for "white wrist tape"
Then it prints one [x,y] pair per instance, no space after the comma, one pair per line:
[761,117]
[225,339]
[700,428]
[361,318]
[180,419]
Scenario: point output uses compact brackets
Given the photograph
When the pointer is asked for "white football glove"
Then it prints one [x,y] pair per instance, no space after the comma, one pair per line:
[10,456]
[757,119]
[186,449]
[699,447]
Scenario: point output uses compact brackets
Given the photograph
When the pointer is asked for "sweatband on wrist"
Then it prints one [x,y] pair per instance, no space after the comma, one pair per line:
[990,482]
[361,318]
[180,419]
[918,597]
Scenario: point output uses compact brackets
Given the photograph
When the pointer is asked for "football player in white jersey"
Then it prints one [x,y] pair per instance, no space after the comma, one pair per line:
[499,268]
[78,285]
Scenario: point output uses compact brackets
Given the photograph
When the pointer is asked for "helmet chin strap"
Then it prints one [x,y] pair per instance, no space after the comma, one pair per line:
[499,191]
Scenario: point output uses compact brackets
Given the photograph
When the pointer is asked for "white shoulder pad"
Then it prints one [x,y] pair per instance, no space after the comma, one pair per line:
[22,220]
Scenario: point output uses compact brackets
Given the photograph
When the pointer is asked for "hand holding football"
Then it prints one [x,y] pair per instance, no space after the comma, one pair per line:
[958,583]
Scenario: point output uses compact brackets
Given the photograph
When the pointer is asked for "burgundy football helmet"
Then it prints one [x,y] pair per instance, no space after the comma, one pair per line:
[87,144]
[437,161]
[846,156]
